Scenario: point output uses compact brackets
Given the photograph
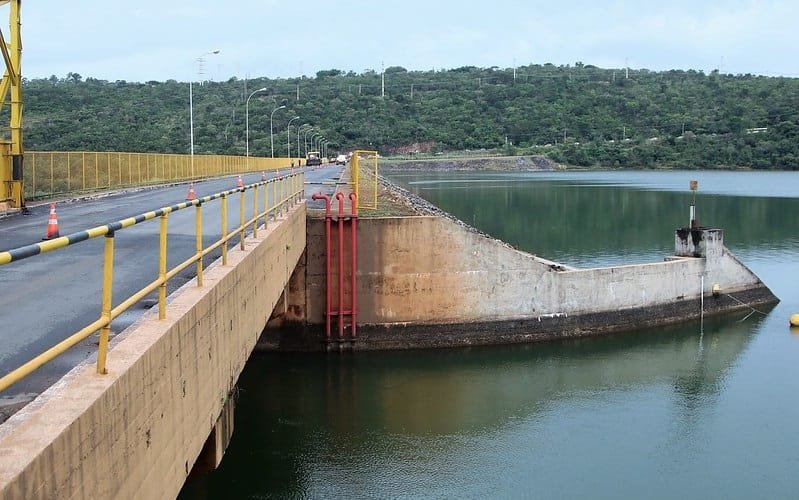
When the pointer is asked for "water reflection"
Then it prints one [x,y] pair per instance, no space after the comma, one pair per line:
[315,425]
[668,413]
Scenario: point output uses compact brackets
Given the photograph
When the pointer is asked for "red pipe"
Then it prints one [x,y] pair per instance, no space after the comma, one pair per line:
[340,198]
[320,196]
[354,254]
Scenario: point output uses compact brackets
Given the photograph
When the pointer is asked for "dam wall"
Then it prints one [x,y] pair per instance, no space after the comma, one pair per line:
[417,274]
[137,431]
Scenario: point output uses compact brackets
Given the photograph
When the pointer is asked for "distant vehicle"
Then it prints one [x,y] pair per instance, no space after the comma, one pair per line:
[313,158]
[341,160]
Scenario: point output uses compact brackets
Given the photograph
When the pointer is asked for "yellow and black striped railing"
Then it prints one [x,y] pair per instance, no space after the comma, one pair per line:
[285,192]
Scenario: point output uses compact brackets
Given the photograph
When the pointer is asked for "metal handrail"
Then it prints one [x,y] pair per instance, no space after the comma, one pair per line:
[286,192]
[57,173]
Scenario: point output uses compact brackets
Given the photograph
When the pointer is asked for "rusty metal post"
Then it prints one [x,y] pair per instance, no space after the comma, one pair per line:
[340,198]
[354,263]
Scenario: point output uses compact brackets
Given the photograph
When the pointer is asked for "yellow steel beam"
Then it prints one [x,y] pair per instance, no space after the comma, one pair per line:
[4,85]
[12,75]
[11,150]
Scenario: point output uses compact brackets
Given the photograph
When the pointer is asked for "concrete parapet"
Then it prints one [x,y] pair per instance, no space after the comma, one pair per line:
[137,431]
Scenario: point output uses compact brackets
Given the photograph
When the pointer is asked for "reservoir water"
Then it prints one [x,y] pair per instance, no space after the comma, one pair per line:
[689,411]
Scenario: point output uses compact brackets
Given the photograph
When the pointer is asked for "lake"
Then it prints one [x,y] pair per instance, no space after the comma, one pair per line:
[688,411]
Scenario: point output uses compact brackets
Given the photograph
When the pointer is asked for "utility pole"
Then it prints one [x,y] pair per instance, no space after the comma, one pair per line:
[411,92]
[382,80]
[514,70]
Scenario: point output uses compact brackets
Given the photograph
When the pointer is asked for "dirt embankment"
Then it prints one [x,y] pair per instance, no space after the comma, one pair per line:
[498,163]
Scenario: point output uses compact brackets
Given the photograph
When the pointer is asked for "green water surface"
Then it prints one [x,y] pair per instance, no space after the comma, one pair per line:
[677,412]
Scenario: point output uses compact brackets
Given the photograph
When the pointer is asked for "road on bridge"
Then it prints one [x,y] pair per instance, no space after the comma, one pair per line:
[48,297]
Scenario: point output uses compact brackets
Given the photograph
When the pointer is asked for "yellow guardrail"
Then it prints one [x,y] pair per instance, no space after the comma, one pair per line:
[364,177]
[53,173]
[286,191]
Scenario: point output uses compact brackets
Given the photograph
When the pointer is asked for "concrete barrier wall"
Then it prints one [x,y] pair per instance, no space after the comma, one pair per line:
[433,270]
[137,431]
[418,272]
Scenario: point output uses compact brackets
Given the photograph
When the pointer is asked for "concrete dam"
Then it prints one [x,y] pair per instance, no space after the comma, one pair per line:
[433,281]
[404,282]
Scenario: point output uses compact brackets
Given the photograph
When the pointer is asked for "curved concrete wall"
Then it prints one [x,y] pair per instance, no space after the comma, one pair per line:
[432,270]
[418,272]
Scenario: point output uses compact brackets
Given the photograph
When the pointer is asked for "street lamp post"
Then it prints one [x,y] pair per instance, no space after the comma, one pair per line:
[322,146]
[247,120]
[271,137]
[306,140]
[313,133]
[191,112]
[299,153]
[288,137]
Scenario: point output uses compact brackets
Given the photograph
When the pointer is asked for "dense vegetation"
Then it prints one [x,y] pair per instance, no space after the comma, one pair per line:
[581,115]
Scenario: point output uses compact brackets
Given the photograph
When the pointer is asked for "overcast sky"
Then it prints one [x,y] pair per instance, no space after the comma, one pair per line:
[161,39]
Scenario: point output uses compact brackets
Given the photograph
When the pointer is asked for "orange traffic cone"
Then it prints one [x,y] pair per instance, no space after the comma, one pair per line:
[239,182]
[52,224]
[192,195]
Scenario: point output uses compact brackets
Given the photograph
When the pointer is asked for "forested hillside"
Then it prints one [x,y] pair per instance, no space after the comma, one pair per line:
[581,115]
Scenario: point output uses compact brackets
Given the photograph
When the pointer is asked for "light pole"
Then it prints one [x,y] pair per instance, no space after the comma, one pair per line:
[191,112]
[322,142]
[247,120]
[310,146]
[299,153]
[288,136]
[271,137]
[306,139]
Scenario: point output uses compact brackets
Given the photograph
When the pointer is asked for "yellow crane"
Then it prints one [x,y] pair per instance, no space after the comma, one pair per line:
[11,151]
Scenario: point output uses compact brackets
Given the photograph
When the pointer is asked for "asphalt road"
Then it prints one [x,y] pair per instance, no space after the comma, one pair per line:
[48,297]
